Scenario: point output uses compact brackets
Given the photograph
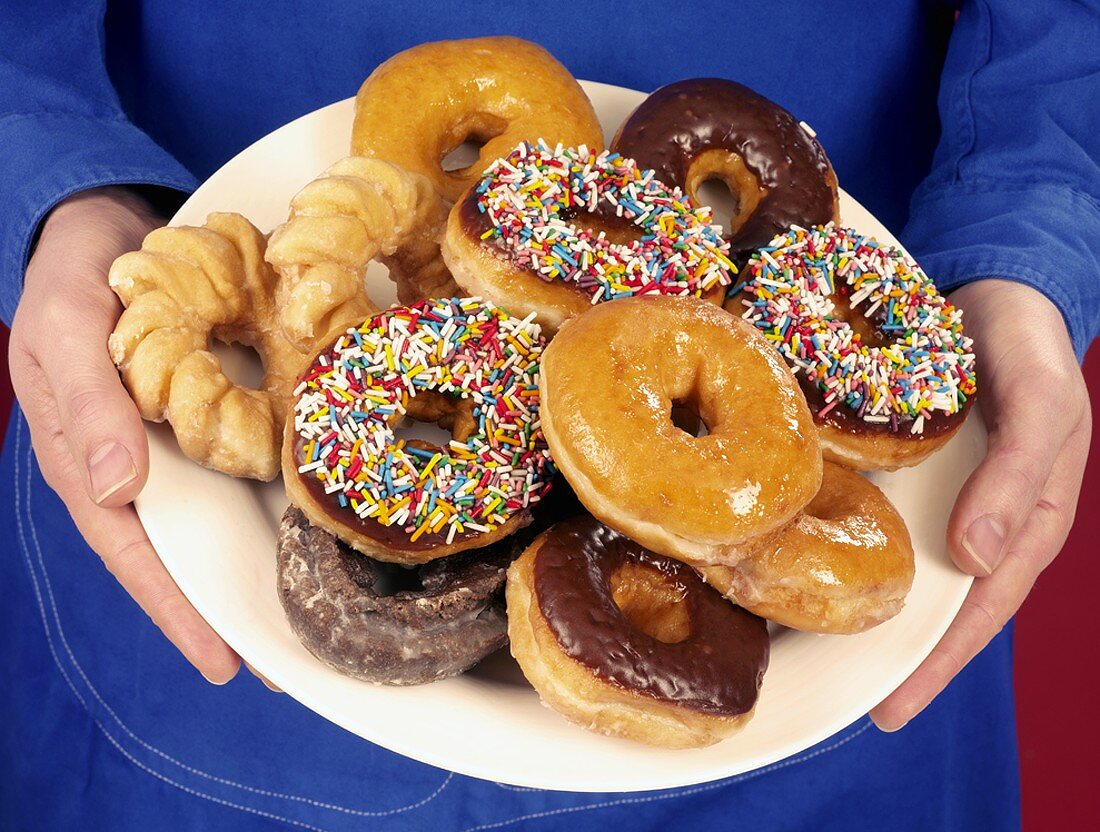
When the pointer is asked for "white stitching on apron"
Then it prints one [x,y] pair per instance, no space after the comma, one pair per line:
[24,497]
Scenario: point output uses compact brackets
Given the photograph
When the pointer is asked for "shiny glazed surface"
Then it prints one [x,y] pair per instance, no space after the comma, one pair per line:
[848,540]
[609,381]
[705,128]
[424,102]
[717,665]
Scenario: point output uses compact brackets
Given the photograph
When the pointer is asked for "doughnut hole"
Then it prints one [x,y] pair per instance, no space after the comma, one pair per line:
[687,413]
[742,192]
[686,417]
[651,601]
[462,151]
[618,230]
[865,327]
[432,419]
[240,362]
[392,578]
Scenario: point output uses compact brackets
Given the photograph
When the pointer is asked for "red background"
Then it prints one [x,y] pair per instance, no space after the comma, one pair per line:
[1055,679]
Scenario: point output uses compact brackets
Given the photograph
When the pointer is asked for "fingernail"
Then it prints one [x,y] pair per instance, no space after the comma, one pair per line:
[984,541]
[211,681]
[893,730]
[110,468]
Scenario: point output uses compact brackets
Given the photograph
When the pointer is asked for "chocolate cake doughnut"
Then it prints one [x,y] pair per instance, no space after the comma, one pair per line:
[711,128]
[449,618]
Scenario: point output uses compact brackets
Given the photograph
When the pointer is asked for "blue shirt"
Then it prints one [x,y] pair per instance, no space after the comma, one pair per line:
[978,139]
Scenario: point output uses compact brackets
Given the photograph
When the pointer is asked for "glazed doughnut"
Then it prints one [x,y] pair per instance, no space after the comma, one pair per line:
[356,210]
[424,102]
[878,351]
[185,286]
[629,643]
[709,128]
[555,230]
[464,364]
[609,382]
[445,616]
[844,566]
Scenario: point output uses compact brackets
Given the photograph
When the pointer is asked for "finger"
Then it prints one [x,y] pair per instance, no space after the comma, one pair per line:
[1026,436]
[993,600]
[117,535]
[267,682]
[99,420]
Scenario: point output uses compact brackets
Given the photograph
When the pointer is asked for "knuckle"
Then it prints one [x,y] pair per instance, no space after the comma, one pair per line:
[948,655]
[166,609]
[992,620]
[1021,470]
[85,405]
[124,554]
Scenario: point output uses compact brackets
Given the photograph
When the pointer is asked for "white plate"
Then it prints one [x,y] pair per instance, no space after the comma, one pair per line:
[216,535]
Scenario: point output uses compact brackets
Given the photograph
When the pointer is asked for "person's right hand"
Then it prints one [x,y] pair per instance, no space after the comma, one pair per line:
[87,433]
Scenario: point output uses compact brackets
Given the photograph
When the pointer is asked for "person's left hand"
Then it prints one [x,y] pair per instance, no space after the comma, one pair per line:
[1015,511]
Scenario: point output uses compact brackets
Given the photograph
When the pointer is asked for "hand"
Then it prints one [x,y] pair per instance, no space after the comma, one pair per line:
[1015,511]
[86,431]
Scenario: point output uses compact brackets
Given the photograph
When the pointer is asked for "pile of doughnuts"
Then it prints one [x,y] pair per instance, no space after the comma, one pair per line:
[651,425]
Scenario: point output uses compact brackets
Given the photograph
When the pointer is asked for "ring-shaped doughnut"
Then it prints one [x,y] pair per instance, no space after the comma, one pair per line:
[422,103]
[710,128]
[355,211]
[610,379]
[460,362]
[878,351]
[184,287]
[554,230]
[447,618]
[843,566]
[626,642]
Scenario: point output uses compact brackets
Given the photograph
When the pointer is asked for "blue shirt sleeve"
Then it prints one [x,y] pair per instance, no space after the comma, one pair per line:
[1014,190]
[62,129]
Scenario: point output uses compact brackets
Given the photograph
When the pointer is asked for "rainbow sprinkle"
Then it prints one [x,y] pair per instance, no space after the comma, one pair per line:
[927,367]
[347,402]
[529,195]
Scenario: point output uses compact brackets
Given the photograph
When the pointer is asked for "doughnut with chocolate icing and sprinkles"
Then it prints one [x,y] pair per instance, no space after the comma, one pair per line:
[461,362]
[879,352]
[553,230]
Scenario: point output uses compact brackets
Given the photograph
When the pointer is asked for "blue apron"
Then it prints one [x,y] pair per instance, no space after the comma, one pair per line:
[105,727]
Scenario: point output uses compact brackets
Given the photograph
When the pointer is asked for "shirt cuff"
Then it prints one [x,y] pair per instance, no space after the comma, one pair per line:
[1045,236]
[47,157]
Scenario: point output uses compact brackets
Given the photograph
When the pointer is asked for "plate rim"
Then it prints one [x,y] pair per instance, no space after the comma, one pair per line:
[218,618]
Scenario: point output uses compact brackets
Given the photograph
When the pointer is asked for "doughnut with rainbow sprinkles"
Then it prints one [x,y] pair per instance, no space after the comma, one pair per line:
[554,230]
[879,352]
[460,362]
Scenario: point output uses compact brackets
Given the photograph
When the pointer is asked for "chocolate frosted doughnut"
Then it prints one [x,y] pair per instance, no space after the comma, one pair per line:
[630,643]
[451,619]
[710,128]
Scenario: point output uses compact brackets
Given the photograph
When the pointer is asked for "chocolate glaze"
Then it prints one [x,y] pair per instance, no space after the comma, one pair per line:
[843,417]
[716,670]
[846,419]
[682,120]
[444,616]
[392,536]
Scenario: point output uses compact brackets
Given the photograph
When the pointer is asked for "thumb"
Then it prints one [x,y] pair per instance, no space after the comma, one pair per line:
[100,422]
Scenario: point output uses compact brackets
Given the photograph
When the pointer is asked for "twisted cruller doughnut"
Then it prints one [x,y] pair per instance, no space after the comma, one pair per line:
[357,210]
[184,286]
